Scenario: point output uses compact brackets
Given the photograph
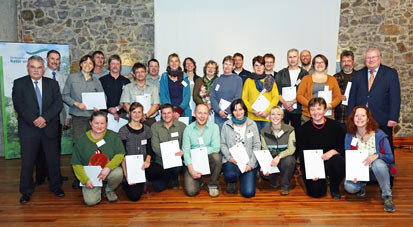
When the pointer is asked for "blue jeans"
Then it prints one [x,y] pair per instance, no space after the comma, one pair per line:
[261,124]
[379,171]
[159,184]
[247,180]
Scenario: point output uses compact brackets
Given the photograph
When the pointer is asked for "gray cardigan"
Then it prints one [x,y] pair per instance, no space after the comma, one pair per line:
[252,143]
[72,92]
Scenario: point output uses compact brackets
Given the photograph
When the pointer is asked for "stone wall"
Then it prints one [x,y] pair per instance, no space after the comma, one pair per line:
[127,27]
[387,25]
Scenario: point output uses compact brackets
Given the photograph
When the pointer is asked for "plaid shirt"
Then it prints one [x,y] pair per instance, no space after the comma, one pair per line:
[340,110]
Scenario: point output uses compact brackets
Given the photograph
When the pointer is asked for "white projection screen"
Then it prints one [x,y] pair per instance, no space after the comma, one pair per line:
[212,29]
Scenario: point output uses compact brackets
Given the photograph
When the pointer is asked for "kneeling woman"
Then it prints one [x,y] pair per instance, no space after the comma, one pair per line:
[240,129]
[279,139]
[362,128]
[103,147]
[325,134]
[136,138]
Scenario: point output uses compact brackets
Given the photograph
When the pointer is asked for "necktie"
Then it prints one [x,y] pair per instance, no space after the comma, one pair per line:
[54,75]
[371,80]
[39,96]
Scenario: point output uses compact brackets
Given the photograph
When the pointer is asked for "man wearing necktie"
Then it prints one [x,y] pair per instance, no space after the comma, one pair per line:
[377,87]
[52,71]
[38,102]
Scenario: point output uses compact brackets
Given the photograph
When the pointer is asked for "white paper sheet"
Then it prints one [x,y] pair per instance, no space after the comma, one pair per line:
[134,169]
[355,167]
[145,100]
[115,125]
[261,103]
[327,96]
[224,104]
[168,151]
[289,94]
[184,120]
[314,165]
[240,155]
[264,159]
[200,161]
[94,99]
[347,94]
[93,172]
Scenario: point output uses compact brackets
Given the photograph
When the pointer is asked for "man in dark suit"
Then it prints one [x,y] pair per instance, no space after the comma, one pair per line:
[37,101]
[377,87]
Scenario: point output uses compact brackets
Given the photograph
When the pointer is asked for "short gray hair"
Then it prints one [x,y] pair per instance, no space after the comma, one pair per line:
[291,50]
[36,58]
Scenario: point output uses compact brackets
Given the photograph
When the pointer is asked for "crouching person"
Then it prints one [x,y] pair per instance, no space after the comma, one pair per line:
[99,147]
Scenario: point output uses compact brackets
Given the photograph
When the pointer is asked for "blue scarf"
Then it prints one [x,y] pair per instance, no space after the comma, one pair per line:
[238,122]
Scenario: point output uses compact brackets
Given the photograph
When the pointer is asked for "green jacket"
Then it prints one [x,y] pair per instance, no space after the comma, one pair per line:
[283,80]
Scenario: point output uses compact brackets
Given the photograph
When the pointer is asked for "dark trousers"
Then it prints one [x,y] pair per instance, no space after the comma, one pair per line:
[30,148]
[286,167]
[334,168]
[294,118]
[160,177]
[41,164]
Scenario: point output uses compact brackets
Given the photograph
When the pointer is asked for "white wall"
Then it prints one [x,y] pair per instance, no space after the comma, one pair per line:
[212,29]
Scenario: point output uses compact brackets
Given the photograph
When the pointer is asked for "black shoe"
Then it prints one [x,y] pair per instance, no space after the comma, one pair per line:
[175,184]
[59,192]
[24,199]
[336,195]
[64,178]
[232,187]
[76,184]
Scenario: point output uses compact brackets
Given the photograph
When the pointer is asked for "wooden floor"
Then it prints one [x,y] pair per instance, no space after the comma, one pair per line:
[173,208]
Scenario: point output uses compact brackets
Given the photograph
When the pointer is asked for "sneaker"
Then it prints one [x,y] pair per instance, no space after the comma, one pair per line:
[336,195]
[388,204]
[111,196]
[232,187]
[213,191]
[362,191]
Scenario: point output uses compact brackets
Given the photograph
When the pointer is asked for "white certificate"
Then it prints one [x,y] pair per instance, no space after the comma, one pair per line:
[184,120]
[240,155]
[264,159]
[347,94]
[94,99]
[224,104]
[289,94]
[134,169]
[145,100]
[260,104]
[314,165]
[93,172]
[200,161]
[168,151]
[355,167]
[115,125]
[327,96]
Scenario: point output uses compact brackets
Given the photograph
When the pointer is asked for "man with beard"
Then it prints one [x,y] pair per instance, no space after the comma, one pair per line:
[305,58]
[343,77]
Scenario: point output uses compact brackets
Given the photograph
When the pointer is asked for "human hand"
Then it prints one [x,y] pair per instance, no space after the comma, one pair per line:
[104,173]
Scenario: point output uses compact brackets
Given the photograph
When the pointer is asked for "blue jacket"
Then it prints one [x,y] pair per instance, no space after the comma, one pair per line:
[186,96]
[383,149]
[383,98]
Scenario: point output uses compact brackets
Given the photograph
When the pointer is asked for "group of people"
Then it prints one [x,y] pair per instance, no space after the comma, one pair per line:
[252,110]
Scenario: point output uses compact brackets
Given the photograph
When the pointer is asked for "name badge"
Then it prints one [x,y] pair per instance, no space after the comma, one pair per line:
[184,83]
[174,134]
[280,133]
[249,135]
[201,141]
[354,141]
[100,143]
[144,142]
[298,82]
[217,87]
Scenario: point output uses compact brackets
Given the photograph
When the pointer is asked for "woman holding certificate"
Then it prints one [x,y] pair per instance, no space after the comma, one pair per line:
[76,84]
[321,138]
[175,89]
[203,85]
[136,138]
[363,133]
[319,84]
[103,149]
[239,140]
[279,139]
[260,93]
